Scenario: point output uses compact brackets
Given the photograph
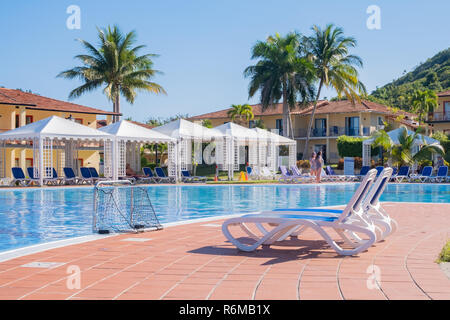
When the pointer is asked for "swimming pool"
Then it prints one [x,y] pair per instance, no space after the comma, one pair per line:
[32,216]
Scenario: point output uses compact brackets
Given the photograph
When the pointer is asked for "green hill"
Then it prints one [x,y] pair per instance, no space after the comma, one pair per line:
[433,74]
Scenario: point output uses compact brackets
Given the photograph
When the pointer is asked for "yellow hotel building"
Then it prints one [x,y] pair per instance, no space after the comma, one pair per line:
[439,120]
[18,108]
[332,119]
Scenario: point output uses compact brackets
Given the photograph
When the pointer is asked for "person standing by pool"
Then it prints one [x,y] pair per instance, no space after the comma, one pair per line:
[312,163]
[319,165]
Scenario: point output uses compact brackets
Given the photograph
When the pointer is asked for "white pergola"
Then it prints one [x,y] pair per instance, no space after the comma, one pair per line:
[188,135]
[55,133]
[128,140]
[272,142]
[394,135]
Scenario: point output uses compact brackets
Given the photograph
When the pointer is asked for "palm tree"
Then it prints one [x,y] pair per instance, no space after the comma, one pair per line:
[116,65]
[241,111]
[280,73]
[334,67]
[402,153]
[423,102]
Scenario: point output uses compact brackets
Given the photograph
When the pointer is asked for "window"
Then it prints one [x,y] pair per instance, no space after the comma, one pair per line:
[251,124]
[352,126]
[80,163]
[79,120]
[28,119]
[380,121]
[320,128]
[17,121]
[16,162]
[447,107]
[279,126]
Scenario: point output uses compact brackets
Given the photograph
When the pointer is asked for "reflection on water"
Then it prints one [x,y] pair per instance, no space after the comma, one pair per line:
[40,215]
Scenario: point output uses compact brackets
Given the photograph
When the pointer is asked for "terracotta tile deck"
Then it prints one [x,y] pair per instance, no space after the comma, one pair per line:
[194,261]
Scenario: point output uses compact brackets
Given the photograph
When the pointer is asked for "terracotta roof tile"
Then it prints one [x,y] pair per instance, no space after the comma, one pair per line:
[34,101]
[277,109]
[102,123]
[323,107]
[444,93]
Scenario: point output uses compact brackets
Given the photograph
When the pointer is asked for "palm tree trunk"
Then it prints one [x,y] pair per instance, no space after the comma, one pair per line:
[285,112]
[116,107]
[311,119]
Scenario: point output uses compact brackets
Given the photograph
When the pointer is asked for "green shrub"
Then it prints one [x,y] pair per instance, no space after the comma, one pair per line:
[352,147]
[445,143]
[304,164]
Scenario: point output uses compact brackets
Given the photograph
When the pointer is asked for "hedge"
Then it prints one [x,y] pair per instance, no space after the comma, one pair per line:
[352,147]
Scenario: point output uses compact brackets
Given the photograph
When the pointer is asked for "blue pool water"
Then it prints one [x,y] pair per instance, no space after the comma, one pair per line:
[34,216]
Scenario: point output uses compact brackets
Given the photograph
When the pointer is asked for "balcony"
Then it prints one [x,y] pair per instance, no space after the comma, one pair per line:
[334,131]
[438,116]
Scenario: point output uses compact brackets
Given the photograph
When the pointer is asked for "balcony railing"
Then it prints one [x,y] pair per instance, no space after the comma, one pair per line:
[334,131]
[439,116]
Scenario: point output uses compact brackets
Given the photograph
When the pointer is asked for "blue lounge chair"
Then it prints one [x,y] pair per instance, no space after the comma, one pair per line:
[423,176]
[94,174]
[19,177]
[55,179]
[31,176]
[301,177]
[70,176]
[86,176]
[149,175]
[286,176]
[441,174]
[186,177]
[335,177]
[363,172]
[379,170]
[162,176]
[402,174]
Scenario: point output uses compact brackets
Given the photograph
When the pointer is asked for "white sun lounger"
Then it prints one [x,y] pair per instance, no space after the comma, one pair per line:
[352,220]
[372,206]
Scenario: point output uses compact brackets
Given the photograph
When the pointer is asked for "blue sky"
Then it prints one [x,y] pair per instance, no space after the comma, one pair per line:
[205,45]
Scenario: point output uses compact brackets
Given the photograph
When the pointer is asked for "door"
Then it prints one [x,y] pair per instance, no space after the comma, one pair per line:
[320,127]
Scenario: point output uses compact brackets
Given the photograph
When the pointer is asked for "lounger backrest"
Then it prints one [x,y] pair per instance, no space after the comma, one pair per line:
[442,171]
[18,173]
[426,172]
[185,173]
[68,172]
[356,201]
[394,171]
[85,173]
[378,187]
[379,169]
[284,171]
[364,170]
[295,170]
[403,171]
[249,170]
[160,172]
[30,171]
[148,172]
[93,172]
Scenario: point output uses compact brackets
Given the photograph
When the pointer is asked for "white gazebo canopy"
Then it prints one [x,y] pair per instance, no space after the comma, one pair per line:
[45,133]
[128,139]
[235,131]
[274,137]
[394,136]
[184,129]
[129,131]
[188,135]
[54,127]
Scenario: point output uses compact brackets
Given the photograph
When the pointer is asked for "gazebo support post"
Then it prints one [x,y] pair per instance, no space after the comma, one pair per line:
[41,162]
